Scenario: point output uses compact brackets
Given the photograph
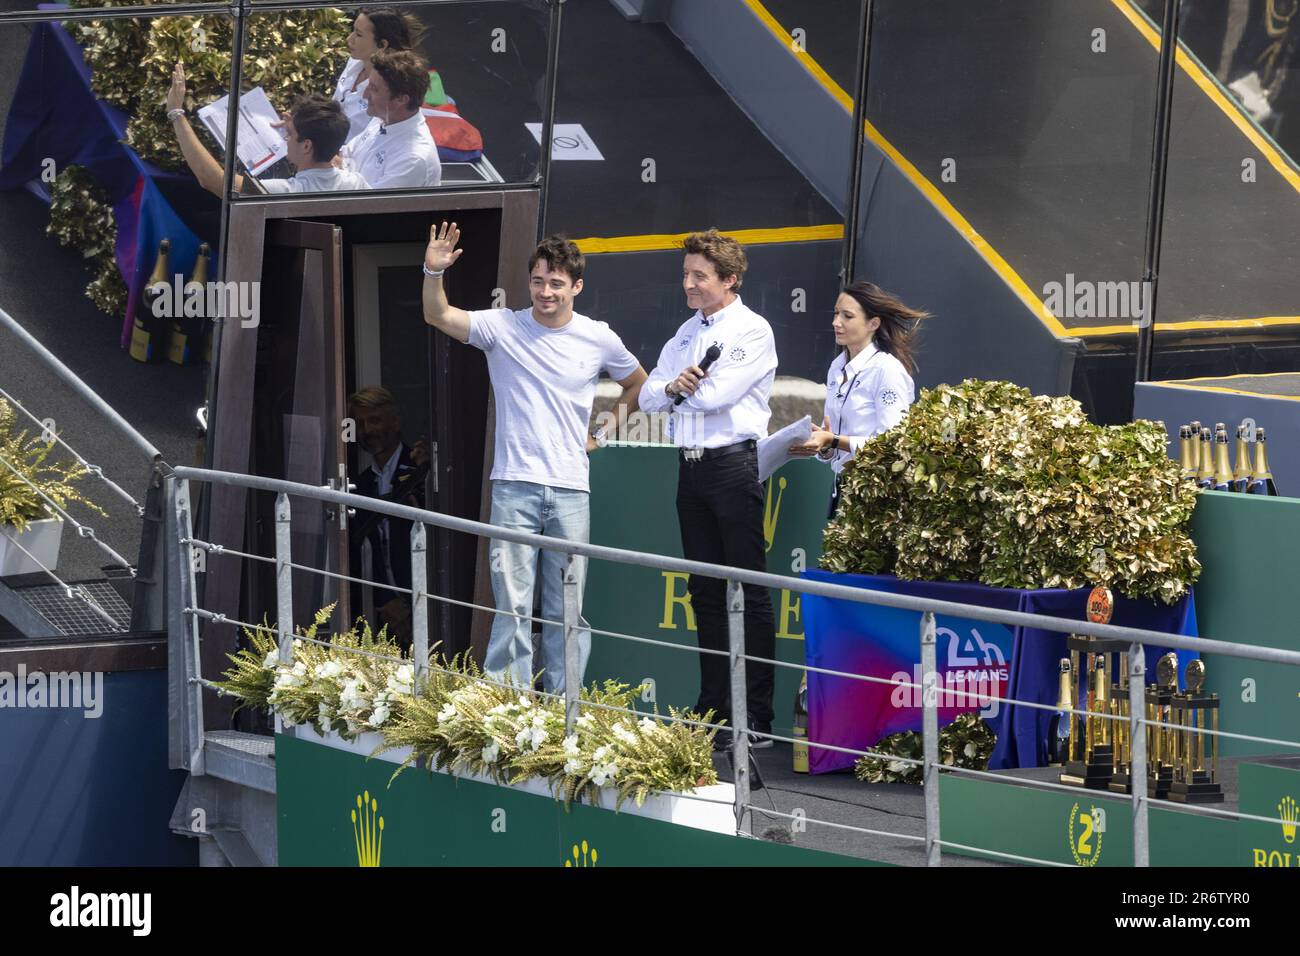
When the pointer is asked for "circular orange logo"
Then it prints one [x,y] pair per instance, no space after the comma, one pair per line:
[1100,605]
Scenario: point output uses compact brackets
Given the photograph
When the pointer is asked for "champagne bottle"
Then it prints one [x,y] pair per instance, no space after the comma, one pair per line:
[146,333]
[1187,453]
[1261,482]
[1101,702]
[1222,469]
[1205,467]
[801,726]
[1058,728]
[1241,473]
[187,331]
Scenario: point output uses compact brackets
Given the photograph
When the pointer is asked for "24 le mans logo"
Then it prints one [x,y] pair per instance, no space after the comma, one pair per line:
[1086,831]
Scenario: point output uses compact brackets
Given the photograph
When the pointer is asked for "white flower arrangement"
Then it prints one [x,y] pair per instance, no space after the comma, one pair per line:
[452,719]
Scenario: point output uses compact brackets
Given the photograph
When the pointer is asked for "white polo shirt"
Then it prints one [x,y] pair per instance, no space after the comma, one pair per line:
[315,180]
[865,397]
[354,105]
[731,403]
[395,155]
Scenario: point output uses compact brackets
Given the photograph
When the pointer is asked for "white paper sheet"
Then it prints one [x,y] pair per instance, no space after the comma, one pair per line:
[259,145]
[774,450]
[570,141]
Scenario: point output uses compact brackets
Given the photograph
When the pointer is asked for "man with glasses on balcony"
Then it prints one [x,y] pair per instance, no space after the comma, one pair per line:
[396,150]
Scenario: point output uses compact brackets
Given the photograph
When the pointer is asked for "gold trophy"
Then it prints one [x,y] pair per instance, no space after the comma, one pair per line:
[1162,742]
[1091,760]
[1123,743]
[1196,712]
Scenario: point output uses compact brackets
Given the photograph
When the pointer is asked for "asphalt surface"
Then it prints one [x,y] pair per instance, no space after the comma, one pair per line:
[42,287]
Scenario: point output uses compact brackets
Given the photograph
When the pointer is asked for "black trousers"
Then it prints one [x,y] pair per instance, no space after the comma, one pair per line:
[720,510]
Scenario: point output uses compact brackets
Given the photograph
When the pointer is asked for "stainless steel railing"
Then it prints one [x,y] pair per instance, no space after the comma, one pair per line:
[187,614]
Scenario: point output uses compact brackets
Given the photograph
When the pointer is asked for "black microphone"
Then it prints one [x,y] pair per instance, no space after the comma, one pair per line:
[711,356]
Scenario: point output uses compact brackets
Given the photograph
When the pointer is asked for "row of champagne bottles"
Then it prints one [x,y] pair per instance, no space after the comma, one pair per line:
[178,337]
[1204,458]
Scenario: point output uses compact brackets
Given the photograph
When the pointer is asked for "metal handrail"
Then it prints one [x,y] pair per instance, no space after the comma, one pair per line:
[71,379]
[736,577]
[758,578]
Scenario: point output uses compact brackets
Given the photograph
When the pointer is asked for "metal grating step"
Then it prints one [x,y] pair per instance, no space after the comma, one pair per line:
[244,759]
[257,745]
[72,615]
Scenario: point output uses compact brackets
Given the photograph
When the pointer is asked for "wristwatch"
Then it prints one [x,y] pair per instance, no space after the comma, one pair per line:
[835,442]
[601,437]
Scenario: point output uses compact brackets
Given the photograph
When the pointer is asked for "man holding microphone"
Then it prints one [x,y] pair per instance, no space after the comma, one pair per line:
[715,375]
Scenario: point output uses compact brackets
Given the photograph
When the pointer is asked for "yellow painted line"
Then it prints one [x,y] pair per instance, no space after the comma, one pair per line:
[809,64]
[1189,326]
[1211,89]
[1226,391]
[981,245]
[927,188]
[746,237]
[1220,378]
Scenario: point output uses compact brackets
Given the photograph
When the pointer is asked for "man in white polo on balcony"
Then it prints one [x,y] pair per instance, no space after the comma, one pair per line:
[544,363]
[396,150]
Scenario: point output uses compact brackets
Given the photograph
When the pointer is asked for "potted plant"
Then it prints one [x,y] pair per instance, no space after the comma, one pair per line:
[30,530]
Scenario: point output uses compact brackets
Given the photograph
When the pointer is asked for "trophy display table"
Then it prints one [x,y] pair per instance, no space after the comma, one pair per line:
[976,660]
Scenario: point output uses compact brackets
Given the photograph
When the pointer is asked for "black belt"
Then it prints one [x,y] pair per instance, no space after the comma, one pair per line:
[709,454]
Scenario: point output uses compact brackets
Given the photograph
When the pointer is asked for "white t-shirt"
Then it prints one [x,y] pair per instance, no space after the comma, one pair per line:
[315,180]
[544,381]
[354,105]
[395,155]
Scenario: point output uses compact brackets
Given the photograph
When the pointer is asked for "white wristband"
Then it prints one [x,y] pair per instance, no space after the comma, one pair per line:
[431,275]
[172,114]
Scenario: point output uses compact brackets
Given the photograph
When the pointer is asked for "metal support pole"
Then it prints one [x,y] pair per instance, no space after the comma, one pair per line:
[572,652]
[852,214]
[1137,771]
[149,600]
[930,738]
[1156,196]
[739,703]
[551,84]
[188,627]
[419,602]
[283,583]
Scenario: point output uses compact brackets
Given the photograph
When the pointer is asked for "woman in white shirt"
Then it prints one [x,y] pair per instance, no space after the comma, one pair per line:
[381,29]
[869,385]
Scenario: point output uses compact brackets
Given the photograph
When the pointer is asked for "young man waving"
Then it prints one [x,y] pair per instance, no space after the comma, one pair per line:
[544,363]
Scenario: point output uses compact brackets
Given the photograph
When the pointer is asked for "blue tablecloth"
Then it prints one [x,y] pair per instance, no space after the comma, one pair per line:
[55,115]
[975,660]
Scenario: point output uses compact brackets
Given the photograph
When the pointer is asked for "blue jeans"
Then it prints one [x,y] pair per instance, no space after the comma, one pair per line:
[557,513]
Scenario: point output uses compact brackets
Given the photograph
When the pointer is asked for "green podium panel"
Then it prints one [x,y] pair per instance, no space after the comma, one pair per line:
[337,808]
[633,506]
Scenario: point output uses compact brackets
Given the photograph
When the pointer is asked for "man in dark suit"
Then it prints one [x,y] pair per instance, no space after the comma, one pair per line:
[396,473]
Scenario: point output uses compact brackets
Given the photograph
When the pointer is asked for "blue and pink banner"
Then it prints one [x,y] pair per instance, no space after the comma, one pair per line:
[976,661]
[55,120]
